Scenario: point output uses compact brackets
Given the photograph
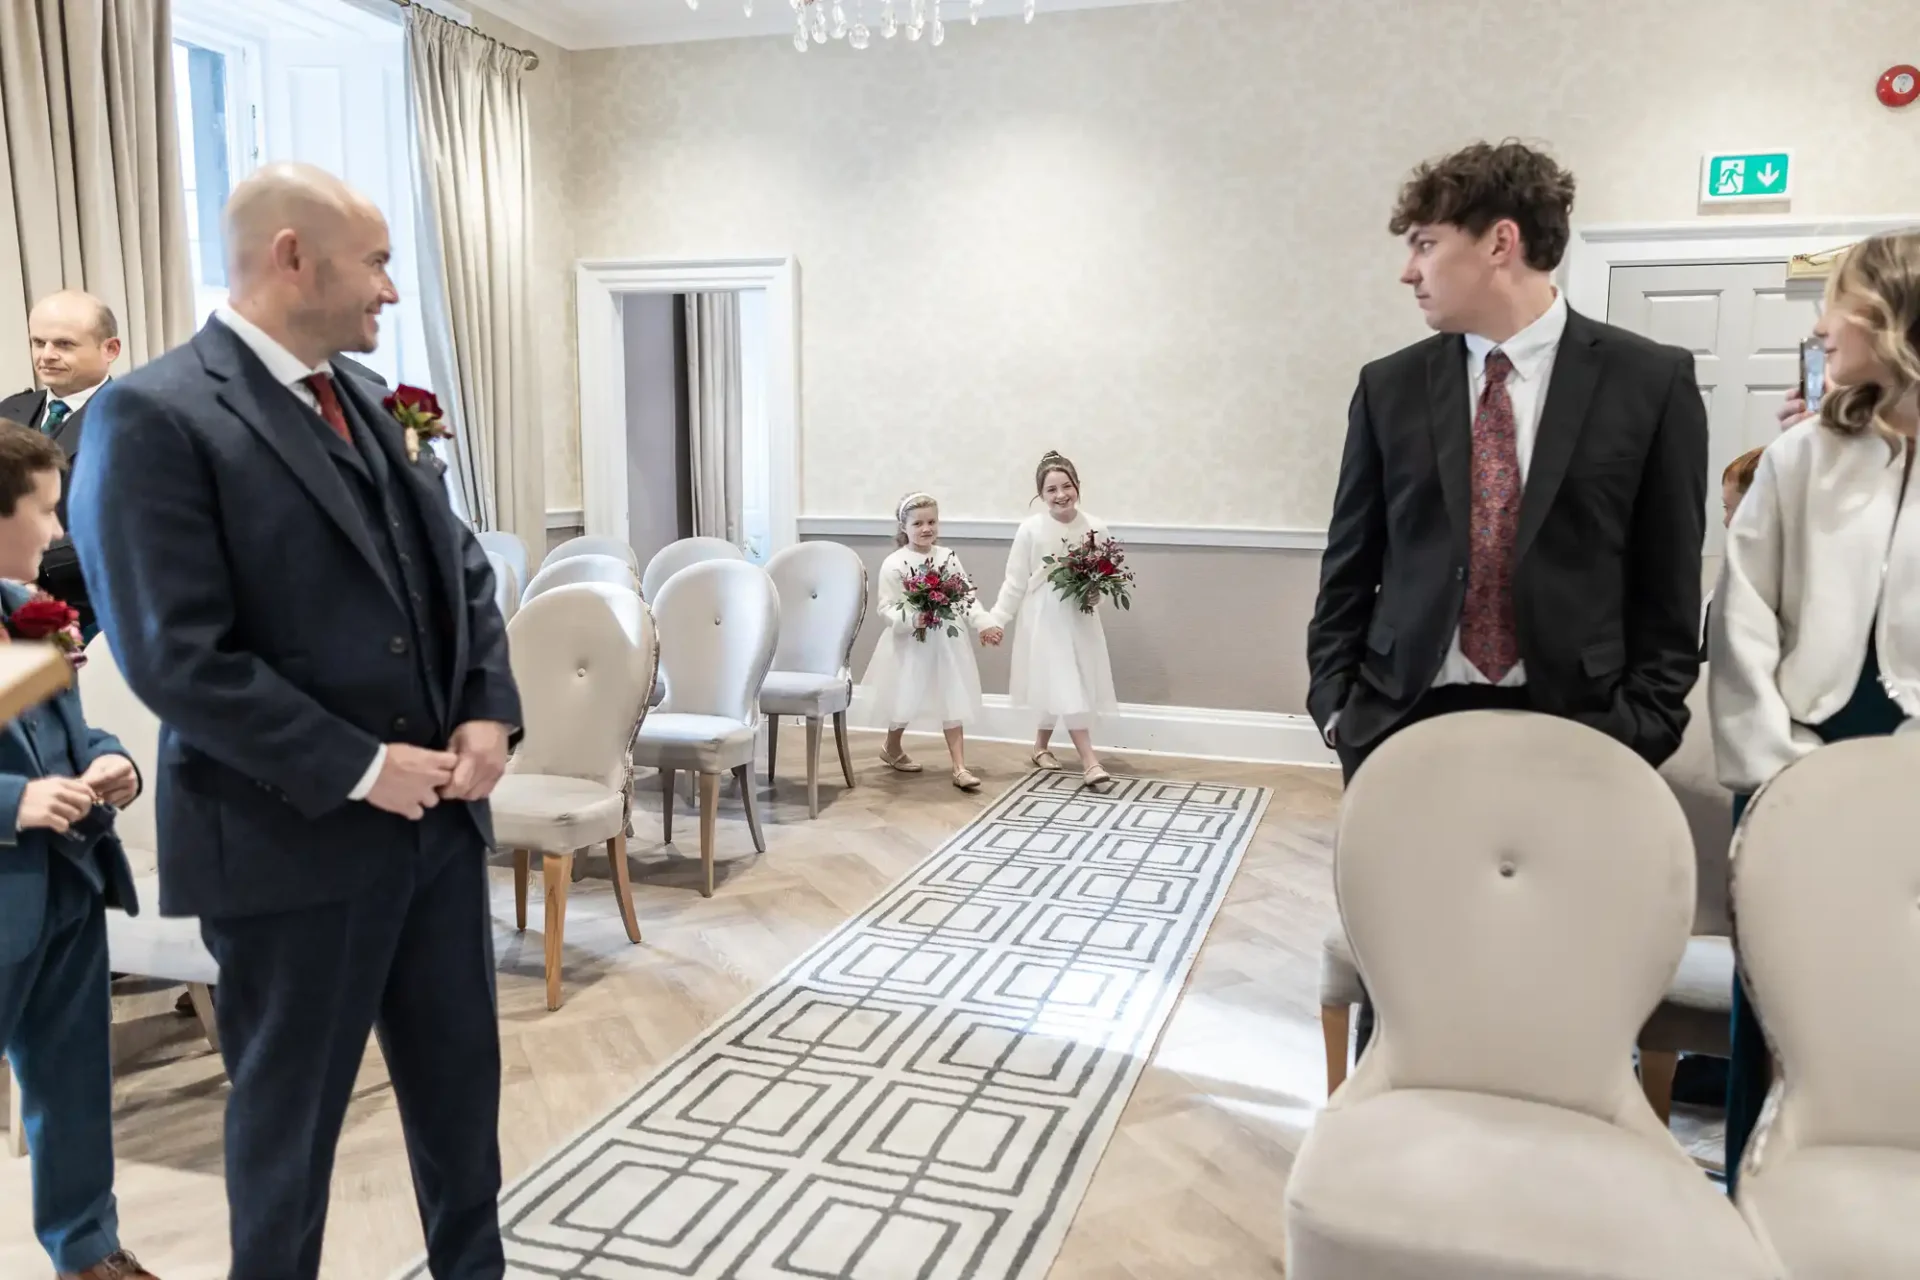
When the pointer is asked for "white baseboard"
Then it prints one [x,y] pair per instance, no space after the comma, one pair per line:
[1201,733]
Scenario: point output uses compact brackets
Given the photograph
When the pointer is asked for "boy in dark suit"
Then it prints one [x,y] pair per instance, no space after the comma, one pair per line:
[61,867]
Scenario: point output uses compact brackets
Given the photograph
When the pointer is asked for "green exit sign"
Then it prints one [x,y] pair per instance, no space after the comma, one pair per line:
[1728,177]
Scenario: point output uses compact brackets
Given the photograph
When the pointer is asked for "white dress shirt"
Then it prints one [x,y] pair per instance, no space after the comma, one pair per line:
[74,402]
[290,373]
[1532,351]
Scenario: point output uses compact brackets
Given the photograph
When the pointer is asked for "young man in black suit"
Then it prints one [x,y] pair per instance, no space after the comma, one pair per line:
[74,339]
[1522,496]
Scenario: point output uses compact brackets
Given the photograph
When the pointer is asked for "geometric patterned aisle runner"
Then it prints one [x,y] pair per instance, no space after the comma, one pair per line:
[924,1094]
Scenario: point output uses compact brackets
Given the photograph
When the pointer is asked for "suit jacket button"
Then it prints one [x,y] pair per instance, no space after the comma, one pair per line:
[1459,574]
[399,724]
[397,645]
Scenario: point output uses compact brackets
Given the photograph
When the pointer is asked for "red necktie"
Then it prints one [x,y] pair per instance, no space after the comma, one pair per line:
[322,387]
[1487,637]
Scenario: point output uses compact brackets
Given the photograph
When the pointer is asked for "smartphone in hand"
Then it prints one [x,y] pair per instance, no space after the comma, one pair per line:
[1813,373]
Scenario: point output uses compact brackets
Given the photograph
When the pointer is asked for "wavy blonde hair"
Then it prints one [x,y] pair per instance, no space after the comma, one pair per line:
[1879,278]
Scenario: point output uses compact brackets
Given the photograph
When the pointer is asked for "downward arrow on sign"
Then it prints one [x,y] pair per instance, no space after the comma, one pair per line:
[1768,176]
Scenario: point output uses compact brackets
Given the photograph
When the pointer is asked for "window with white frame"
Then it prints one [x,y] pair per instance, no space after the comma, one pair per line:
[320,81]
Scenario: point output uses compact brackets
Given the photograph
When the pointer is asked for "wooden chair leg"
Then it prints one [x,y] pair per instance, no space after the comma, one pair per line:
[1656,1080]
[846,750]
[623,885]
[666,806]
[709,810]
[200,995]
[744,775]
[522,869]
[773,747]
[16,1116]
[1336,1028]
[558,871]
[813,766]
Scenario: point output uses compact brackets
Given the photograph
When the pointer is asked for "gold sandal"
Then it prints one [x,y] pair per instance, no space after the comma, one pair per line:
[902,763]
[964,779]
[1045,760]
[1096,778]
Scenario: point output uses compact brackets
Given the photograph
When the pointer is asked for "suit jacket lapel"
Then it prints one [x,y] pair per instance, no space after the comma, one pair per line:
[1452,423]
[421,486]
[249,392]
[1576,370]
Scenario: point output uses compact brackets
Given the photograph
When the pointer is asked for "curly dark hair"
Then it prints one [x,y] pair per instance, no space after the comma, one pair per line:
[1476,187]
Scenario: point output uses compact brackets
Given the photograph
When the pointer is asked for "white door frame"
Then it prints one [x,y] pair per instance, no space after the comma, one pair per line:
[1596,250]
[601,283]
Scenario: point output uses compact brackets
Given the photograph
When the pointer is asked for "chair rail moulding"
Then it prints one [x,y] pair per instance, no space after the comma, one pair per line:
[601,284]
[1596,250]
[1215,537]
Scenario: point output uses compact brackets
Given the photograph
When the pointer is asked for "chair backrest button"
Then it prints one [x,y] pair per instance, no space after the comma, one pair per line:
[1506,869]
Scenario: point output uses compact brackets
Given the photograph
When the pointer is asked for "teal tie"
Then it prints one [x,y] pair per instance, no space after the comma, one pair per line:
[57,412]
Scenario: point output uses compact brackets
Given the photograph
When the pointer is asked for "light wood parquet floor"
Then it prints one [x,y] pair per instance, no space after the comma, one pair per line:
[1191,1184]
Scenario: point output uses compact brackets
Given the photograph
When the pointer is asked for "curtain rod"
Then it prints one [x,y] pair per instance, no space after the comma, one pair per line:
[533,59]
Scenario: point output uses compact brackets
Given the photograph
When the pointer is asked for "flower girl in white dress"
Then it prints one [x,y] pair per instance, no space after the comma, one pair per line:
[1060,668]
[937,676]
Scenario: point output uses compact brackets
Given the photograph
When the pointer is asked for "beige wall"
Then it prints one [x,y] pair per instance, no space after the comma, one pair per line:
[549,110]
[1182,647]
[1154,237]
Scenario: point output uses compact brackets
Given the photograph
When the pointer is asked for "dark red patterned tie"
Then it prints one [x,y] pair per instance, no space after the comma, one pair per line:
[1486,621]
[322,387]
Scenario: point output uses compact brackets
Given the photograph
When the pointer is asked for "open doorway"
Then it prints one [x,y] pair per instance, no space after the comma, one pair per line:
[672,354]
[696,405]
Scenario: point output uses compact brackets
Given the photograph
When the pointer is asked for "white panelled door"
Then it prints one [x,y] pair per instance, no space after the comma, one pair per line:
[1744,327]
[341,104]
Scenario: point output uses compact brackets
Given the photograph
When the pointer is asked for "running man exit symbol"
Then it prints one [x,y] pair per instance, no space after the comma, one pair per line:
[1729,176]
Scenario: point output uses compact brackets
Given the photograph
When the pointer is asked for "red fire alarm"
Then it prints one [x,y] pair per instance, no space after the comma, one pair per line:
[1900,85]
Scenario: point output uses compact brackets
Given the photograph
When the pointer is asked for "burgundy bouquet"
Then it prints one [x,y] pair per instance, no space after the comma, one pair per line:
[936,598]
[1094,567]
[44,618]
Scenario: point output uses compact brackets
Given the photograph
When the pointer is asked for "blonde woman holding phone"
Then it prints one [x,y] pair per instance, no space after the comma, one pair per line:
[1815,633]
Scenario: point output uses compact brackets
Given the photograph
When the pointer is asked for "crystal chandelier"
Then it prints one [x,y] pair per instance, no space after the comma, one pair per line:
[817,21]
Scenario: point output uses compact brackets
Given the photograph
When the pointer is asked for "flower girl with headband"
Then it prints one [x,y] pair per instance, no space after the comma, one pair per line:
[924,665]
[1060,667]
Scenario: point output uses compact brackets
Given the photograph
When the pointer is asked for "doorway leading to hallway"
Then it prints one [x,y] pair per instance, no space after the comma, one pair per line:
[689,401]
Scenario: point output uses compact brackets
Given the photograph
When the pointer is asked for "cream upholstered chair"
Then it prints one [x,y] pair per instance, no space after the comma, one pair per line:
[1826,907]
[148,945]
[1698,1008]
[676,556]
[1518,891]
[509,547]
[609,570]
[670,560]
[592,545]
[1697,1013]
[718,623]
[823,598]
[584,657]
[506,588]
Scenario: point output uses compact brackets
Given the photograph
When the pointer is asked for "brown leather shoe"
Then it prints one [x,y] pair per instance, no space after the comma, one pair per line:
[118,1265]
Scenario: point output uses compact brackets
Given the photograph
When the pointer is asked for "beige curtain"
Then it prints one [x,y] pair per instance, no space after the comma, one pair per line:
[90,192]
[475,202]
[714,413]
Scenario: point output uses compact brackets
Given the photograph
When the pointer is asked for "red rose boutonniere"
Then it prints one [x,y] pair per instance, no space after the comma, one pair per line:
[44,618]
[419,412]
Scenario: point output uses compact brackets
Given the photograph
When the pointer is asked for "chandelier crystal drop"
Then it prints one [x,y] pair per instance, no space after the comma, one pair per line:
[818,21]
